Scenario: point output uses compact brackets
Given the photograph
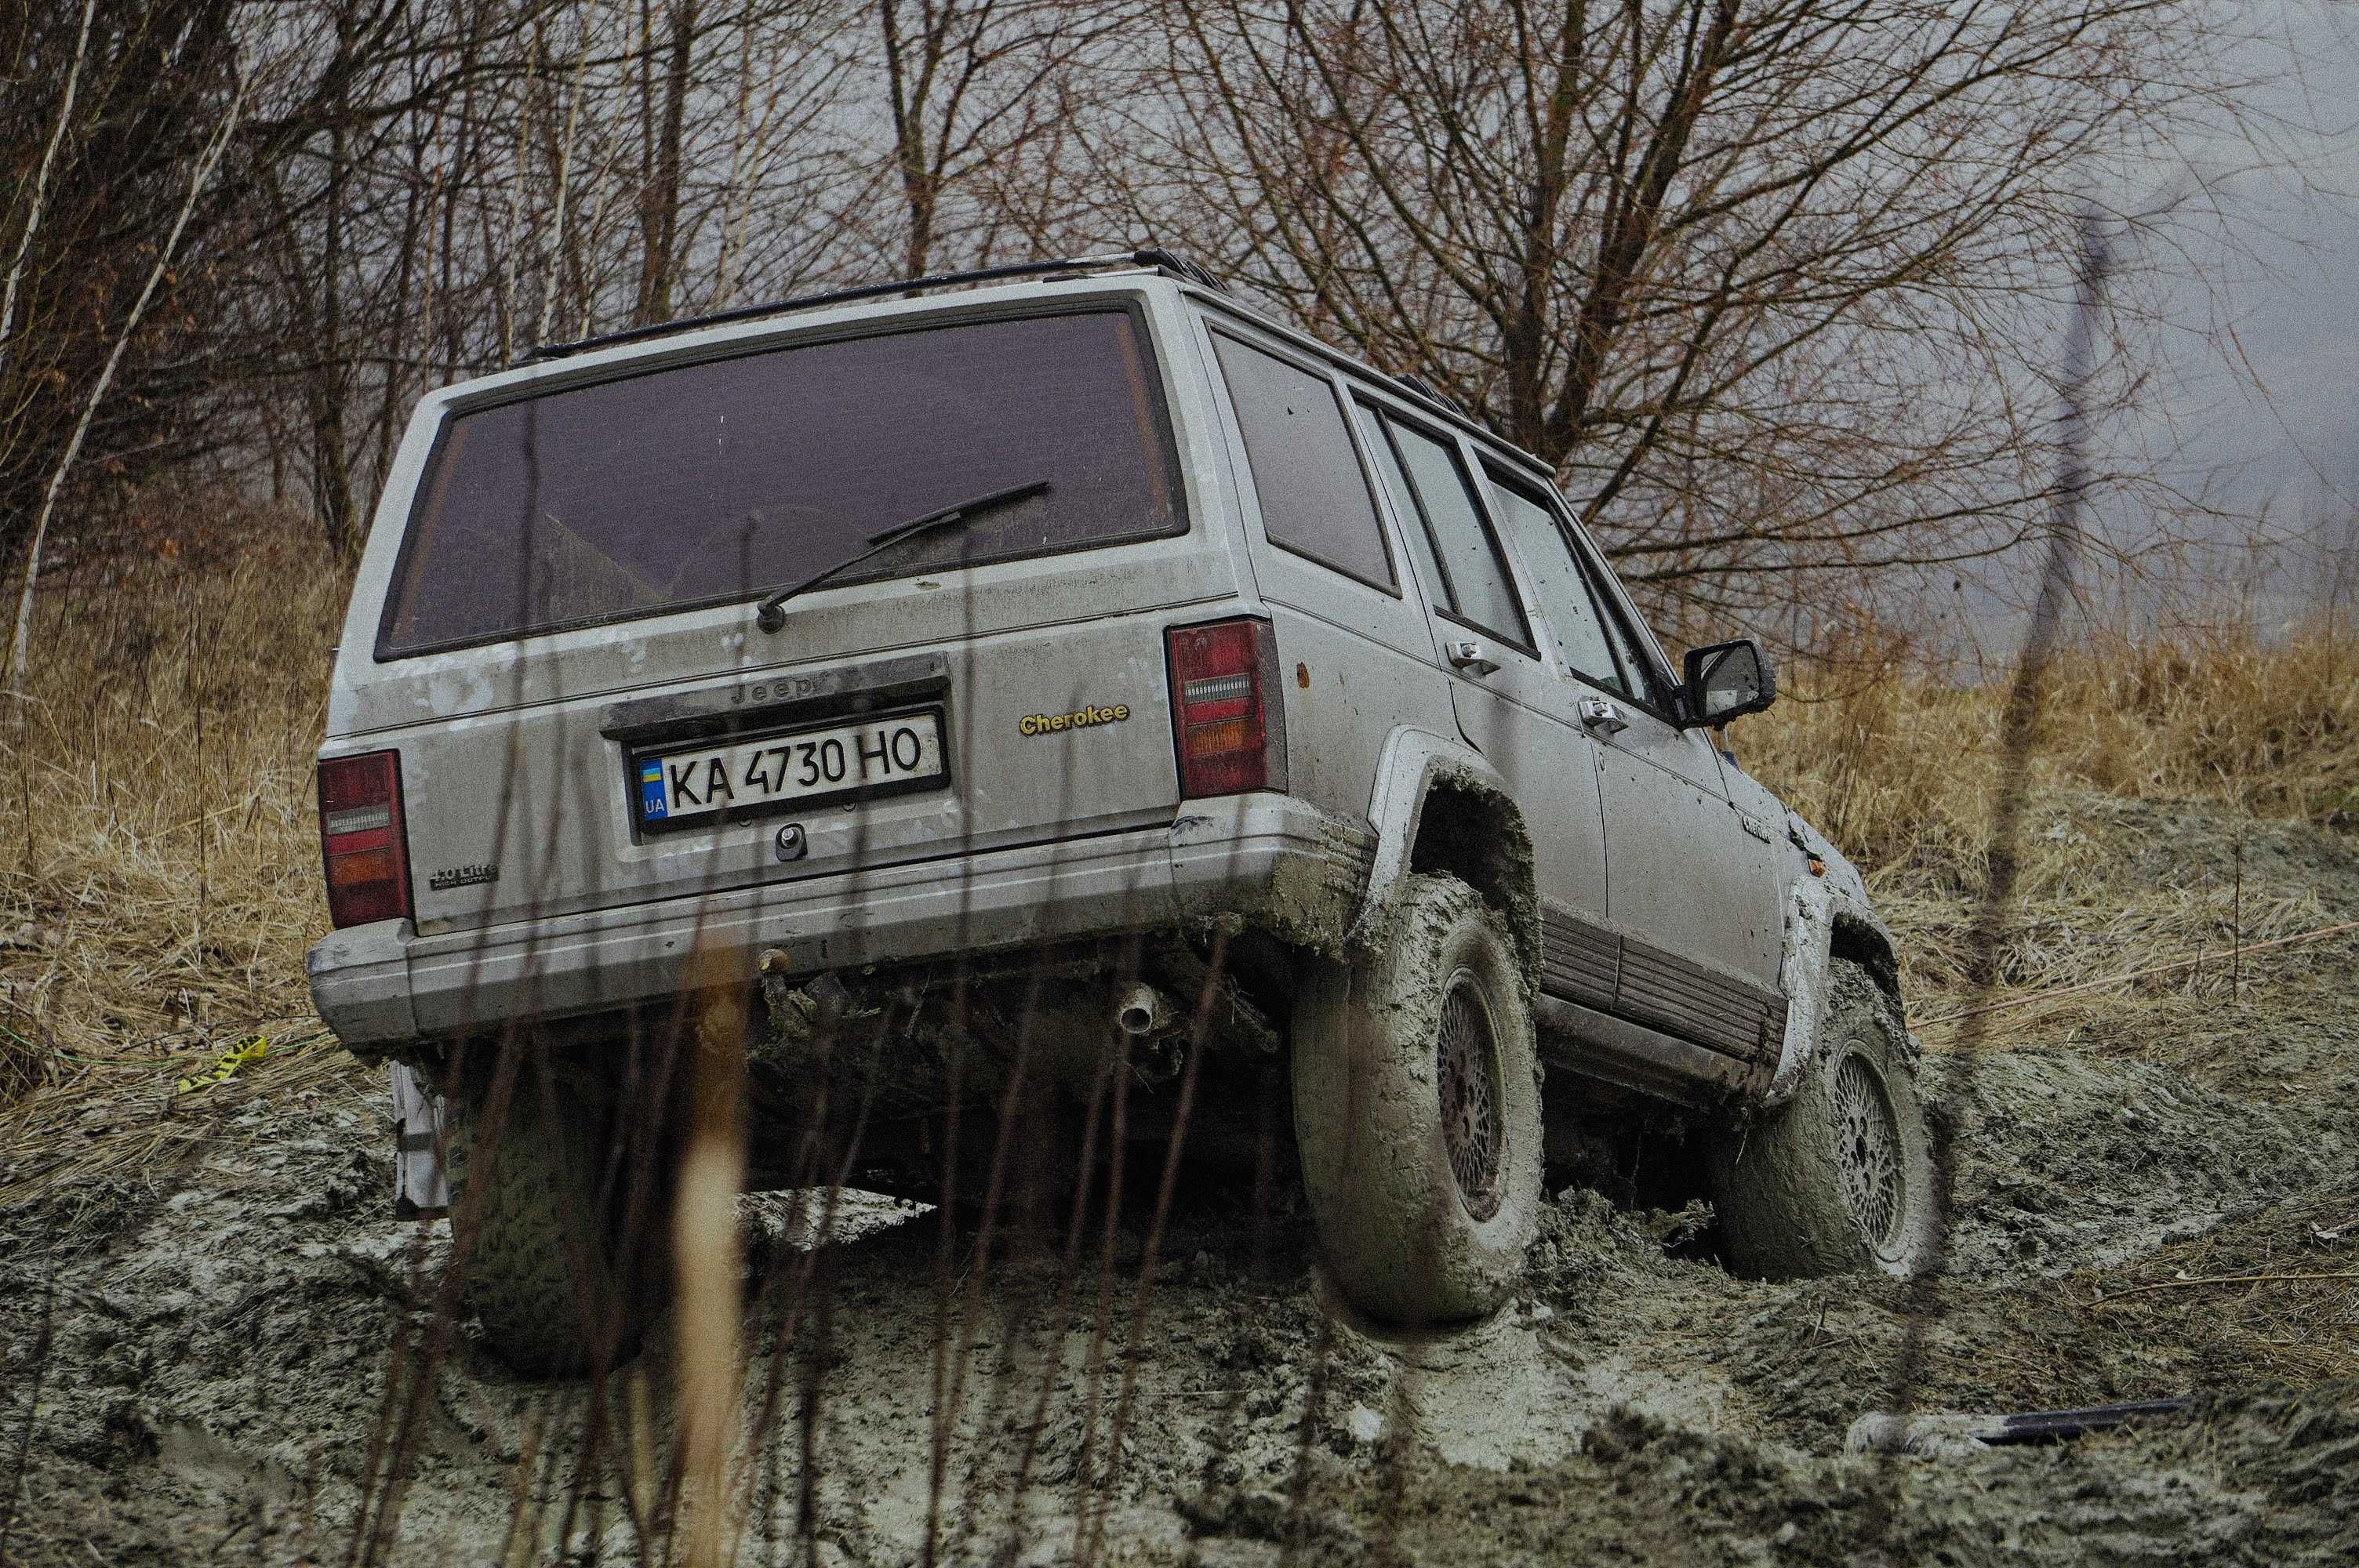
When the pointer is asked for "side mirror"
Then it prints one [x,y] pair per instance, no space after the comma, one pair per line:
[1726,680]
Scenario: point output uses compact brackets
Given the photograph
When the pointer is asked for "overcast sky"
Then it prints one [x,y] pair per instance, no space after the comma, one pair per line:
[2255,404]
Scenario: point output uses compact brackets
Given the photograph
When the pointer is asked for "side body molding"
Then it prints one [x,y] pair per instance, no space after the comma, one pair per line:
[1414,763]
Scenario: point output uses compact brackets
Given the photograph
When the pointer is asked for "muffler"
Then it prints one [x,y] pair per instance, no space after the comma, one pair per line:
[1145,1013]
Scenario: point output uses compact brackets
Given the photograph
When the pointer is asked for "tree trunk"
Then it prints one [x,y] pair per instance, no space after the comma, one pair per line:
[332,484]
[659,203]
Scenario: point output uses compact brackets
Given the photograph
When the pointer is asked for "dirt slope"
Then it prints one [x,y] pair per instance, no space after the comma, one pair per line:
[195,1349]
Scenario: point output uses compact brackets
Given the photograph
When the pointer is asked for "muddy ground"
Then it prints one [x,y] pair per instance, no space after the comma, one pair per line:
[2158,1194]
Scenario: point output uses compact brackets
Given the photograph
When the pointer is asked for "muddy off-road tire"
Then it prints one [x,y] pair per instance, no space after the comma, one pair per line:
[1840,1179]
[1417,1113]
[560,1273]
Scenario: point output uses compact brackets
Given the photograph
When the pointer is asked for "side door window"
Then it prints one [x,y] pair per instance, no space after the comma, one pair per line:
[1642,673]
[1466,570]
[1574,626]
[1642,677]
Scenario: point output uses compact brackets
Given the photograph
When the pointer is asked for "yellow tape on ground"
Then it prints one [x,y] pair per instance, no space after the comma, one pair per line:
[226,1067]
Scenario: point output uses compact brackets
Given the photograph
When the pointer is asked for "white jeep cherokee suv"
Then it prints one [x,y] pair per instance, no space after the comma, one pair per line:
[1073,685]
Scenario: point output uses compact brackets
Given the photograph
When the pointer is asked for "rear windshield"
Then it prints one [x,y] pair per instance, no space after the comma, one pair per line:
[730,478]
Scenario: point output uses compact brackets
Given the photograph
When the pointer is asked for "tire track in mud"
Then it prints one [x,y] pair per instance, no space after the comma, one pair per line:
[221,1331]
[222,1328]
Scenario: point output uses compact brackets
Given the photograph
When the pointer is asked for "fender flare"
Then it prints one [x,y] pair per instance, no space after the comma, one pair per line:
[1413,763]
[1816,909]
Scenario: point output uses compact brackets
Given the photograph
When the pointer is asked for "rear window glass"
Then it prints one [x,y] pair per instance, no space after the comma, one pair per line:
[730,478]
[1314,497]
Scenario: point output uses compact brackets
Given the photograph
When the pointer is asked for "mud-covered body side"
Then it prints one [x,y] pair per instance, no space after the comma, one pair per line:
[1305,896]
[1419,770]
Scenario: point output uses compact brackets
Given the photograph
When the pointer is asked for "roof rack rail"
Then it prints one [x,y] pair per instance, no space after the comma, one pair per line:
[1152,255]
[1431,393]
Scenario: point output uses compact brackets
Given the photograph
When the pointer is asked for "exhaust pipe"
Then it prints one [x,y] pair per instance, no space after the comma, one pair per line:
[1145,1012]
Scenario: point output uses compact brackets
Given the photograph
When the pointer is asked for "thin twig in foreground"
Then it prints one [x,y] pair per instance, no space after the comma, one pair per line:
[2106,1298]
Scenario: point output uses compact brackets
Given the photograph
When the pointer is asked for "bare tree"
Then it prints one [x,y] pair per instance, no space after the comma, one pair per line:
[970,86]
[20,648]
[660,127]
[35,194]
[109,106]
[1766,280]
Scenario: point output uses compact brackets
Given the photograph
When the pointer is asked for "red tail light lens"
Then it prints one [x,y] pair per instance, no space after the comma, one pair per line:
[362,839]
[1228,715]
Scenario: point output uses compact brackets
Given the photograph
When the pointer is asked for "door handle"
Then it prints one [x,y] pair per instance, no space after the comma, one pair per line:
[1601,715]
[1467,655]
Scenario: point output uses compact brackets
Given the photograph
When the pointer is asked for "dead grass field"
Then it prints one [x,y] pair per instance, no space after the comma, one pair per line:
[1902,773]
[159,858]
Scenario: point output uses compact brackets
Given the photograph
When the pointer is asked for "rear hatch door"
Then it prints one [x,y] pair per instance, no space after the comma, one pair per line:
[589,714]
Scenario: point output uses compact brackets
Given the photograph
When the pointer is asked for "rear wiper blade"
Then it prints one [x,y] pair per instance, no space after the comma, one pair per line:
[772,614]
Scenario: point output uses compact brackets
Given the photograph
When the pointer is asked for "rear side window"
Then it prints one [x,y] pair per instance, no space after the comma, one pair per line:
[1314,497]
[1572,617]
[727,478]
[1474,584]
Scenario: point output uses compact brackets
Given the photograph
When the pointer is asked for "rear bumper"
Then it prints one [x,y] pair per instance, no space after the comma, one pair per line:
[377,986]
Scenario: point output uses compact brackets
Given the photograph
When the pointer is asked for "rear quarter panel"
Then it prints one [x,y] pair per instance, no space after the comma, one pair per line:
[1354,661]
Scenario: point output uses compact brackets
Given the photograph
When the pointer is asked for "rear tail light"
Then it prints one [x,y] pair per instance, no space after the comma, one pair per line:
[362,839]
[1228,714]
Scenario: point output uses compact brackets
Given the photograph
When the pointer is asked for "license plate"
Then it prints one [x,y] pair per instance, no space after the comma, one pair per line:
[756,776]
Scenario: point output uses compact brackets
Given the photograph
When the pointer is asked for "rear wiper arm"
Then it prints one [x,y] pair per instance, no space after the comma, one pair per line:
[772,615]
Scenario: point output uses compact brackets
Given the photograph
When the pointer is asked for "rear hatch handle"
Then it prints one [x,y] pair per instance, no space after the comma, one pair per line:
[719,712]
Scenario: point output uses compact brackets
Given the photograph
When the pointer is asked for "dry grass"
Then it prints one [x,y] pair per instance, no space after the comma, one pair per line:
[2271,1298]
[1901,768]
[119,1121]
[2134,742]
[159,852]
